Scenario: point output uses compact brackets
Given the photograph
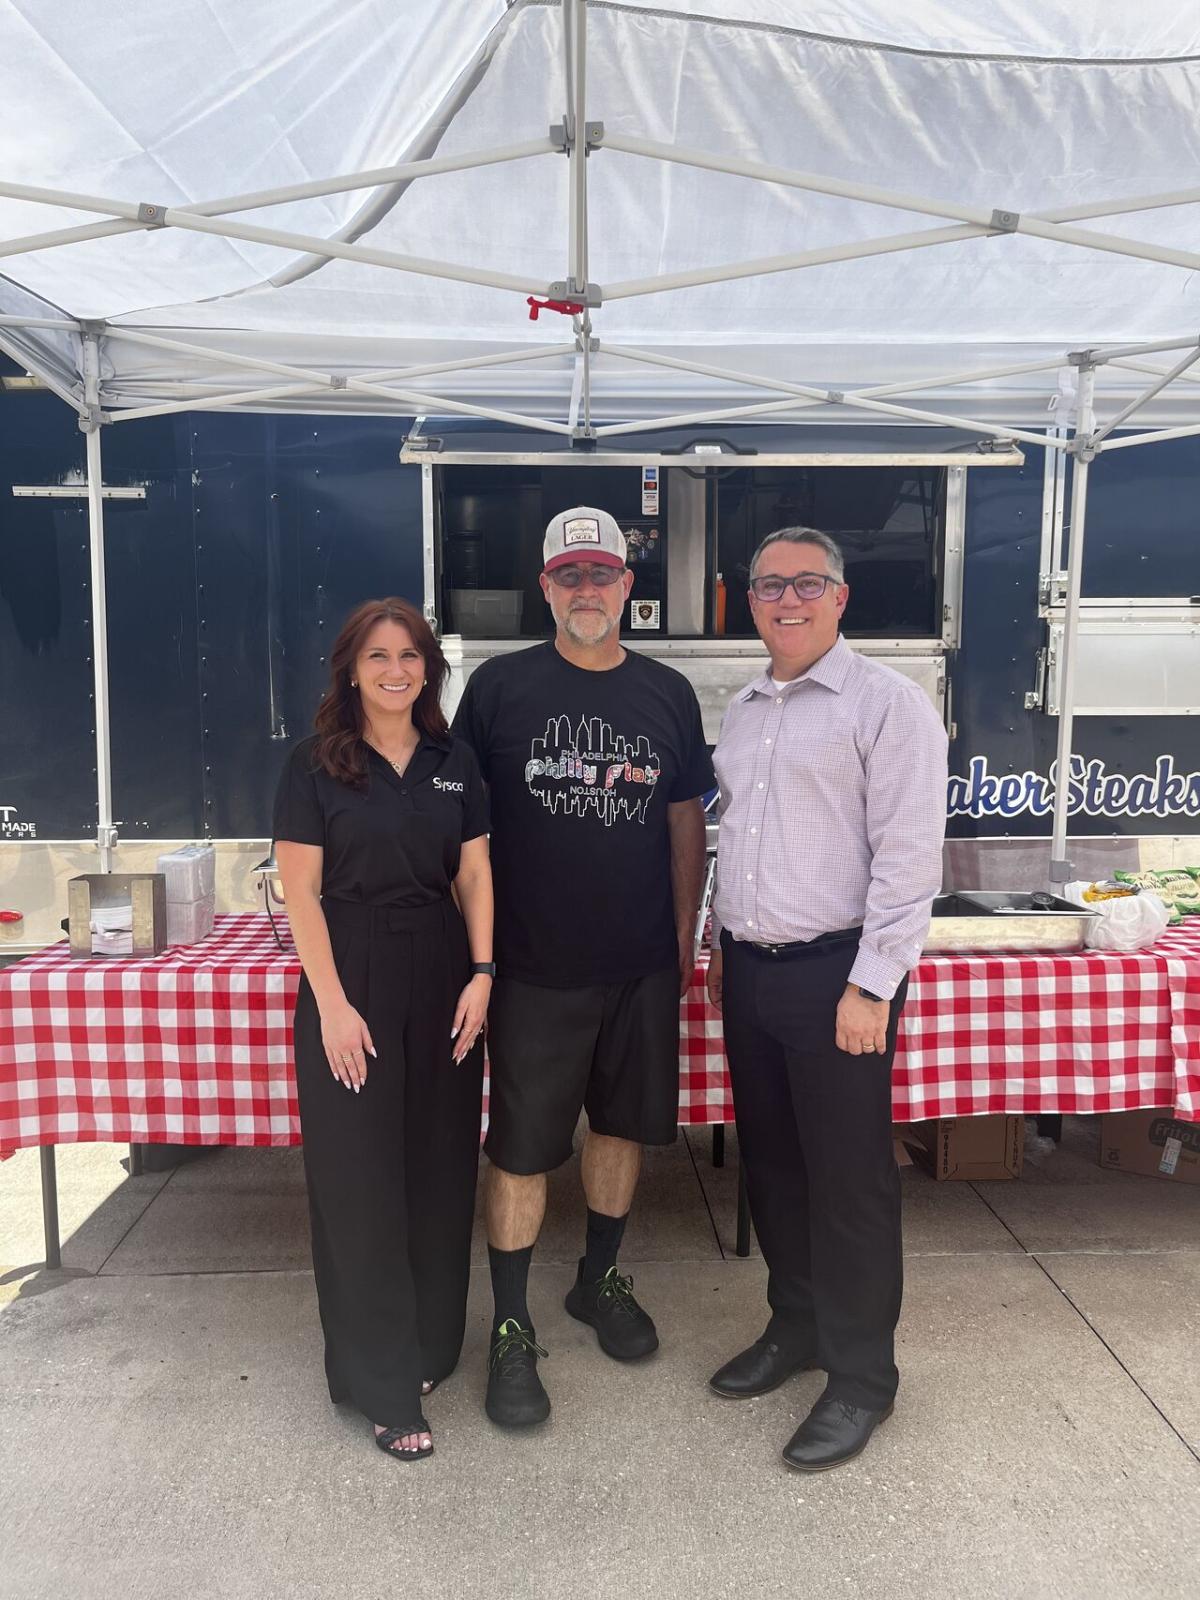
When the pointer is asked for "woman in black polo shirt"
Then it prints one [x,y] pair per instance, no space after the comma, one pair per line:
[377,820]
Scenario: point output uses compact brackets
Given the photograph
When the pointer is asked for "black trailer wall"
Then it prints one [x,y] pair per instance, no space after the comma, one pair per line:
[225,585]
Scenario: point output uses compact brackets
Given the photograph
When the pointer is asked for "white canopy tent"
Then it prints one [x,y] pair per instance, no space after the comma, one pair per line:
[981,214]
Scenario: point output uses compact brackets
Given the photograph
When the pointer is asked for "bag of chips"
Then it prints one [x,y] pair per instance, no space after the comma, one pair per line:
[1177,887]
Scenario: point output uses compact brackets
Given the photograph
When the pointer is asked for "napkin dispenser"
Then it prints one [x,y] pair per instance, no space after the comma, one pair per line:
[145,893]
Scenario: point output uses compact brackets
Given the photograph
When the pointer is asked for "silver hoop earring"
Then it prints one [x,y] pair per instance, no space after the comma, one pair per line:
[354,683]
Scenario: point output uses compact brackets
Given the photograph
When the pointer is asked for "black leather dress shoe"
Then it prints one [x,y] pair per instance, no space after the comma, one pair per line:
[757,1371]
[834,1431]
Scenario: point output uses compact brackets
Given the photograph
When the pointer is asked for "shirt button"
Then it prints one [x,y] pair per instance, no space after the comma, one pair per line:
[749,924]
[779,700]
[766,741]
[753,830]
[749,877]
[760,786]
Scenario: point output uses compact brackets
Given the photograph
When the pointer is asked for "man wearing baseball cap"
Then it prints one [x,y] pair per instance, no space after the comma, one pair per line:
[595,759]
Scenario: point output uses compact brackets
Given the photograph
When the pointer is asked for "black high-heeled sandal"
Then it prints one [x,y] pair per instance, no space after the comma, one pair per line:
[391,1436]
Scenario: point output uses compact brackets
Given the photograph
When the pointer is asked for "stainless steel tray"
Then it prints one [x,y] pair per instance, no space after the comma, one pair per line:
[992,919]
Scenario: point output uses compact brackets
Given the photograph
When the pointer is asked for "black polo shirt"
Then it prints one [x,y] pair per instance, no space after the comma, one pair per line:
[395,843]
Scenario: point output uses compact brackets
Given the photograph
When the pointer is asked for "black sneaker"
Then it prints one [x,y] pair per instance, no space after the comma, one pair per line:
[624,1330]
[515,1395]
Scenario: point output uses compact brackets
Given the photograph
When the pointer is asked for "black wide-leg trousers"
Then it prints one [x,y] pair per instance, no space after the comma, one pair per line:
[391,1171]
[815,1136]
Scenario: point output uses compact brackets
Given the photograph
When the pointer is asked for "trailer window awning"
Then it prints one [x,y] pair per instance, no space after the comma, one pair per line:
[448,441]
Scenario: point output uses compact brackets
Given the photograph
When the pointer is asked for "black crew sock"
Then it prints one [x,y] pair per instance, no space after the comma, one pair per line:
[604,1236]
[510,1279]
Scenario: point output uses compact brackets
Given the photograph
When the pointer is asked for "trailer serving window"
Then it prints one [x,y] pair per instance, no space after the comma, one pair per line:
[889,521]
[693,509]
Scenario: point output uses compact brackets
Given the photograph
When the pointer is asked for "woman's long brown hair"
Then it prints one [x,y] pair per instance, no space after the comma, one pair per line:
[340,749]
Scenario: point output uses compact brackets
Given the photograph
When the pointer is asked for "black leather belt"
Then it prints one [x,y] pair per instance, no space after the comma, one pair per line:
[821,945]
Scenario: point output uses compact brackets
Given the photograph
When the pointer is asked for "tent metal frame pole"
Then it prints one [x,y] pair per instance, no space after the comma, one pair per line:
[829,397]
[237,399]
[876,391]
[1158,436]
[306,244]
[578,135]
[730,272]
[297,243]
[1122,351]
[577,382]
[106,833]
[1179,368]
[10,348]
[1061,870]
[54,324]
[428,550]
[129,221]
[430,404]
[997,220]
[240,398]
[1132,364]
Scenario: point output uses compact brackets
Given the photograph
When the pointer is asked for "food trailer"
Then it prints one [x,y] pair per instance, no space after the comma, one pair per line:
[235,543]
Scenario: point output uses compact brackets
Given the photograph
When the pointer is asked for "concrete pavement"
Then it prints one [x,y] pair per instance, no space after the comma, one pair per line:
[163,1422]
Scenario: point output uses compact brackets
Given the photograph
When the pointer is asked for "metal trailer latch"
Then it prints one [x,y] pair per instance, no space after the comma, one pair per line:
[1035,697]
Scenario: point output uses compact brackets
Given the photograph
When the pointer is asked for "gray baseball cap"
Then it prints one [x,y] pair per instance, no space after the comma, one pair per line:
[583,534]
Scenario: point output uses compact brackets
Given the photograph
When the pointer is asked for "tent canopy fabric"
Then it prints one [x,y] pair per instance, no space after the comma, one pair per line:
[1028,107]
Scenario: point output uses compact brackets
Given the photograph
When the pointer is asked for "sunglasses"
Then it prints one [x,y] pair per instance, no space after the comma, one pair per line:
[808,586]
[571,577]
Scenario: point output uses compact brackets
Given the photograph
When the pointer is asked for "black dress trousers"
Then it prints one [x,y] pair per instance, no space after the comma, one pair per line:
[391,1171]
[815,1133]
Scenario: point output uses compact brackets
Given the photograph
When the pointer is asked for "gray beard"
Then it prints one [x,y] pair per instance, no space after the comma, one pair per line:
[587,641]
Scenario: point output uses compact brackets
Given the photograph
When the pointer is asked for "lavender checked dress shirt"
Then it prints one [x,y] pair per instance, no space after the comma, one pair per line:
[833,811]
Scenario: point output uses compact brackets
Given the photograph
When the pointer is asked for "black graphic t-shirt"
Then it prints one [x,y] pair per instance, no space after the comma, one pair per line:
[581,768]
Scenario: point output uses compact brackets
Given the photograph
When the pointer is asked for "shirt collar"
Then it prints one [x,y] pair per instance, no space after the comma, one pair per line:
[830,671]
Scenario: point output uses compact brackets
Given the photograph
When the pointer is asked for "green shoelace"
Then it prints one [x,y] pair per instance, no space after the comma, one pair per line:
[513,1340]
[619,1290]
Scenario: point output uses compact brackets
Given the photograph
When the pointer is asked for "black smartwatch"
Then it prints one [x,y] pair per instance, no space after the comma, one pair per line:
[483,969]
[867,995]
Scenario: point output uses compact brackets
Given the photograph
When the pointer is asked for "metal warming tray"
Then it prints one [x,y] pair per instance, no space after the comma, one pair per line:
[993,919]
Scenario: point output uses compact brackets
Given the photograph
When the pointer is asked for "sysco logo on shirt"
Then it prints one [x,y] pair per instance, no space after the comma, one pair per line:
[448,785]
[1091,789]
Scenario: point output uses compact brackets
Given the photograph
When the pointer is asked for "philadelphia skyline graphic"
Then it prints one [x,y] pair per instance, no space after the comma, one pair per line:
[588,767]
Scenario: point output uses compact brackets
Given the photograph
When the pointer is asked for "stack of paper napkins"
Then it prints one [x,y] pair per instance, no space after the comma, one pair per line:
[112,930]
[191,875]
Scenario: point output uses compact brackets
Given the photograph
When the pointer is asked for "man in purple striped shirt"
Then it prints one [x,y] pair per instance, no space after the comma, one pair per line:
[832,770]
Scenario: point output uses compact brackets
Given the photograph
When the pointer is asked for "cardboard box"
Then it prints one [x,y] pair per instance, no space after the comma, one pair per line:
[968,1147]
[1154,1143]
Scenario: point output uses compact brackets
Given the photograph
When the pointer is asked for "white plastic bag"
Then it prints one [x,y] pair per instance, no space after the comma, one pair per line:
[1130,922]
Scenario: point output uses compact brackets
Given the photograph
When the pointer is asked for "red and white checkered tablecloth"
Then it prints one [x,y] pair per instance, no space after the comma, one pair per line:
[1016,1033]
[194,1046]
